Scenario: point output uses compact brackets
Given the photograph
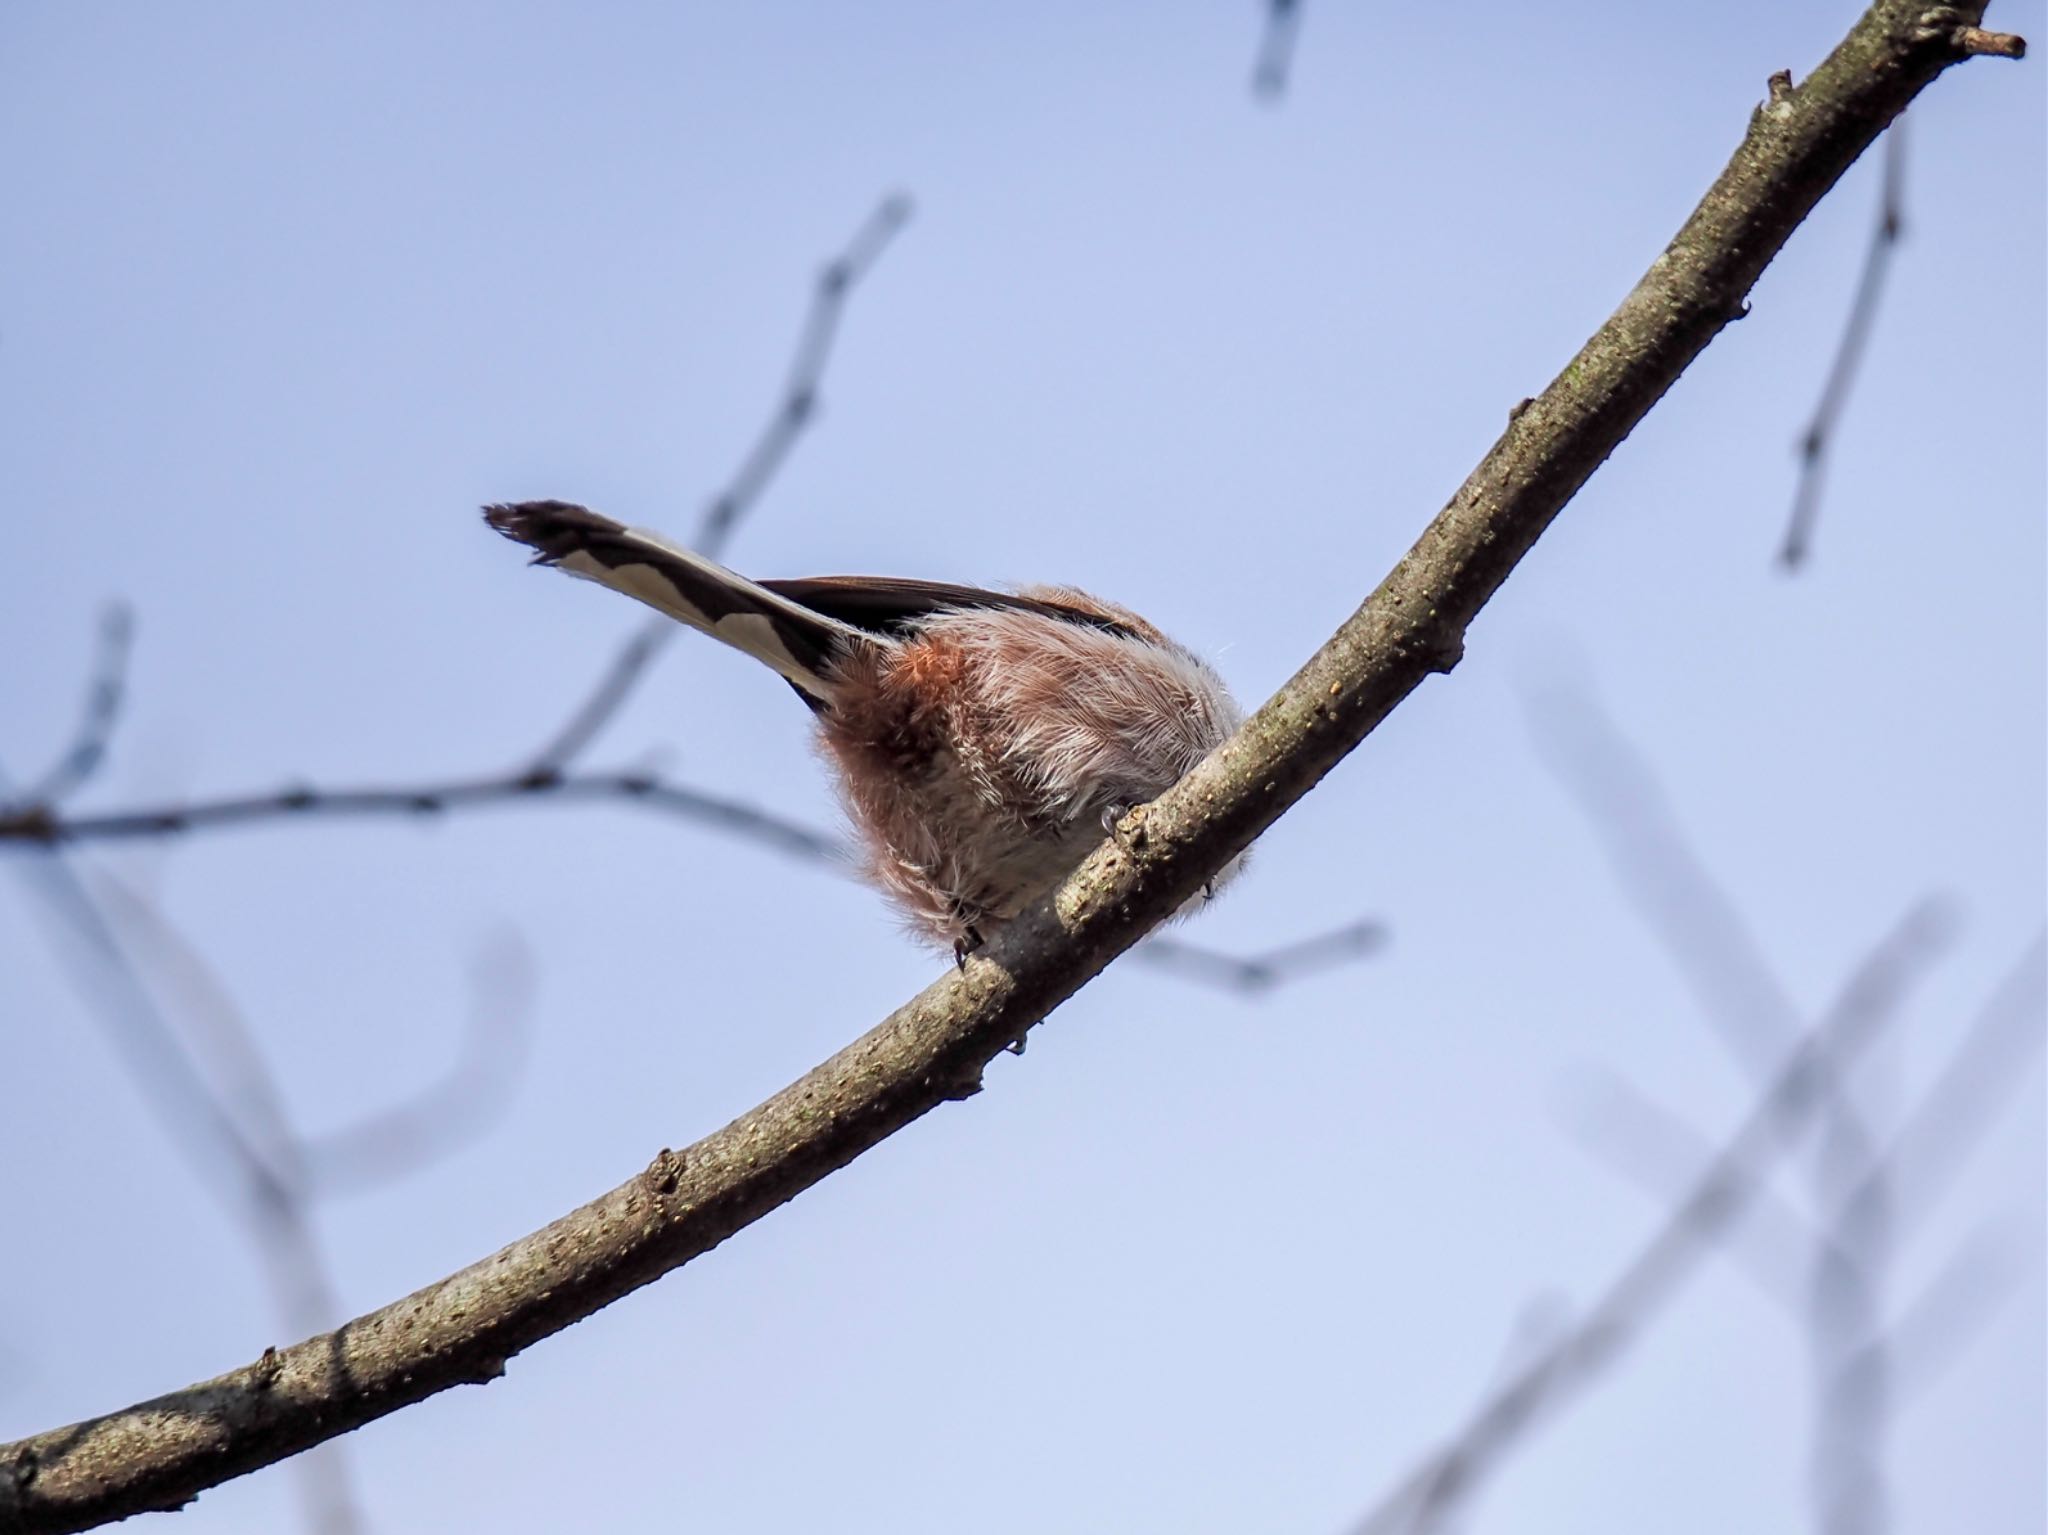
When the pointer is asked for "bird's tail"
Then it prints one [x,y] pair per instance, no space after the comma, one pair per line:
[800,644]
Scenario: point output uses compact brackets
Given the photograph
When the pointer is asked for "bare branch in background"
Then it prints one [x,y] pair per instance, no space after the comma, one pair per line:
[1937,1327]
[37,824]
[1276,49]
[795,411]
[1645,1144]
[209,1086]
[1930,1331]
[1254,977]
[1973,1087]
[1262,974]
[1449,1476]
[1699,924]
[263,1195]
[104,693]
[936,1047]
[1820,433]
[1860,1210]
[1708,936]
[799,403]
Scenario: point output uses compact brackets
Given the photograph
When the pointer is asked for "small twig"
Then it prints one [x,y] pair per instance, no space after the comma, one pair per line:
[1262,974]
[1276,49]
[799,403]
[1820,432]
[794,411]
[103,698]
[1589,1348]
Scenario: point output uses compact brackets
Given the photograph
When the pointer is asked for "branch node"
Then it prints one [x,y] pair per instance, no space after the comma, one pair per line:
[264,1372]
[967,1086]
[665,1172]
[1780,87]
[1130,827]
[30,823]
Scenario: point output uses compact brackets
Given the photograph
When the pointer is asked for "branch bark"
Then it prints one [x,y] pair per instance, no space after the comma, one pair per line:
[160,1453]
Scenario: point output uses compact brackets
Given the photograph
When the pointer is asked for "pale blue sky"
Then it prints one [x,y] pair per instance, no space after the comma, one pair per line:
[285,294]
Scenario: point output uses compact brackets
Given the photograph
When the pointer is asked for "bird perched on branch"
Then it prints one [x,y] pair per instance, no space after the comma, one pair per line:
[984,741]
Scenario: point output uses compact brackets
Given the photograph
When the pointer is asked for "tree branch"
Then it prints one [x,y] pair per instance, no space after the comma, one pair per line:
[933,1049]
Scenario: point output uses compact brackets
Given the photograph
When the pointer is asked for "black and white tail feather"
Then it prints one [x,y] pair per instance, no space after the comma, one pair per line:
[799,627]
[799,643]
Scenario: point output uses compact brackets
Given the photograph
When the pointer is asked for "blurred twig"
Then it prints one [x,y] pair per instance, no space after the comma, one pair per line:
[1867,1004]
[263,1194]
[1627,1129]
[213,1093]
[794,411]
[1820,432]
[1860,1209]
[1262,974]
[1276,49]
[384,1145]
[104,693]
[1979,1075]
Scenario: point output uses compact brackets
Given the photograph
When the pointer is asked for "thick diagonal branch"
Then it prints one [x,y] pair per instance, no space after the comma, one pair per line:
[162,1452]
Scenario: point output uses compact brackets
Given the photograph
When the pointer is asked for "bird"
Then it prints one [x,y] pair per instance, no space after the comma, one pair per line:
[983,741]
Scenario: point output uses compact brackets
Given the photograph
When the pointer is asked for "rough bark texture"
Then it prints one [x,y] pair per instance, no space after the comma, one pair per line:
[161,1453]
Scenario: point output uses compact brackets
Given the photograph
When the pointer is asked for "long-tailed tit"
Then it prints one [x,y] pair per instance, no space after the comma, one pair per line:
[983,741]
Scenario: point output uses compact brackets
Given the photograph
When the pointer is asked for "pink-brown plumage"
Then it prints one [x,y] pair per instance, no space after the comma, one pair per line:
[982,758]
[982,740]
